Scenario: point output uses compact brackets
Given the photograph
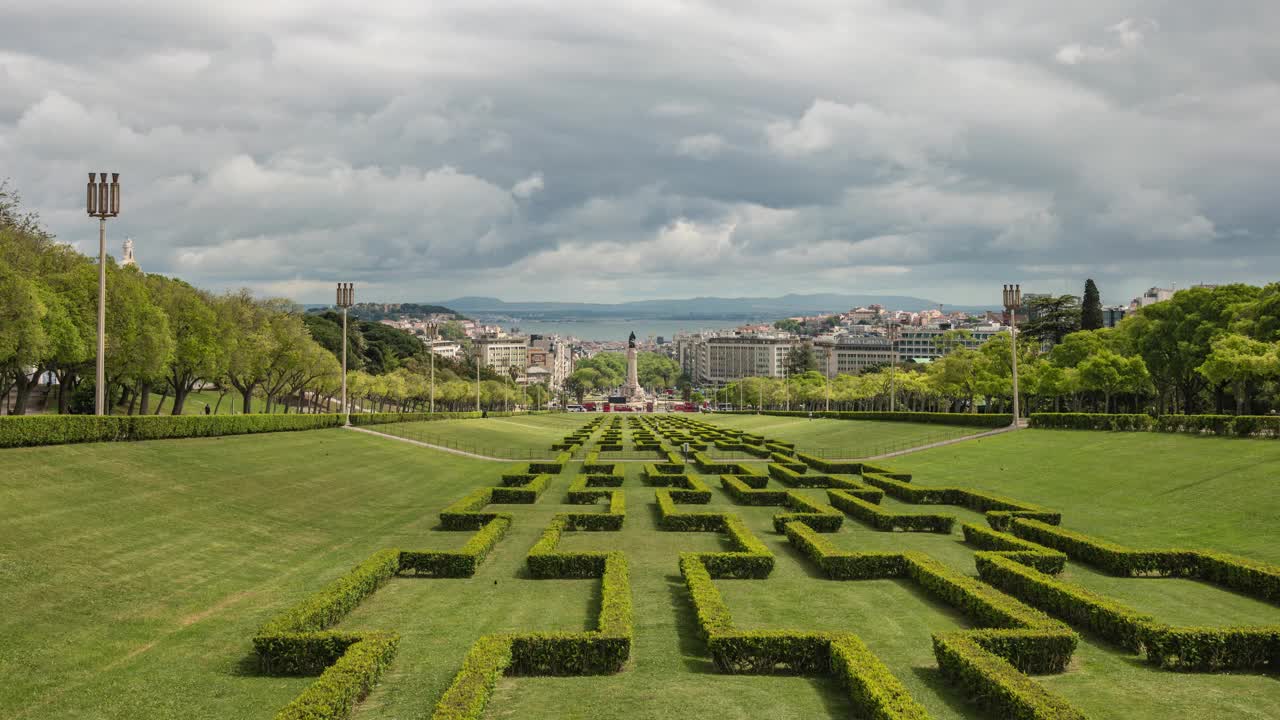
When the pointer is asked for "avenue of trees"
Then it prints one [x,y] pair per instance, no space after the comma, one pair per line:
[606,371]
[167,339]
[1206,350]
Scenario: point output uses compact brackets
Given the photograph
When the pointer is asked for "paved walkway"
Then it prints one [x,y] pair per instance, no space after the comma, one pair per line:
[419,443]
[896,453]
[942,443]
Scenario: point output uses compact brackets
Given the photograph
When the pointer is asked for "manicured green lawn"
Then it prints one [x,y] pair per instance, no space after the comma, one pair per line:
[517,437]
[840,438]
[134,575]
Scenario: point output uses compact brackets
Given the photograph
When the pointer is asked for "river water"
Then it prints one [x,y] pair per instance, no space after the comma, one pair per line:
[614,328]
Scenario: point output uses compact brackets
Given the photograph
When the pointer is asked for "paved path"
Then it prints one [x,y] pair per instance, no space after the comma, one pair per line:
[941,443]
[419,443]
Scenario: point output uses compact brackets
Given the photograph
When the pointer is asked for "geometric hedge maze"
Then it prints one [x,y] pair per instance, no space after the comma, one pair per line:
[1024,616]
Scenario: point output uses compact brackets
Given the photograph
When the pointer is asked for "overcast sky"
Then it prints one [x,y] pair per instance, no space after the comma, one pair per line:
[564,151]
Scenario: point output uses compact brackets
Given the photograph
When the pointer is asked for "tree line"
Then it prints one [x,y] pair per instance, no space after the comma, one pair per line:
[166,339]
[607,371]
[1205,350]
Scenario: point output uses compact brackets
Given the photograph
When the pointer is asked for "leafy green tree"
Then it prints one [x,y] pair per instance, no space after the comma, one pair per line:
[1111,373]
[1052,318]
[801,359]
[1174,339]
[1091,308]
[24,334]
[199,349]
[1240,361]
[656,371]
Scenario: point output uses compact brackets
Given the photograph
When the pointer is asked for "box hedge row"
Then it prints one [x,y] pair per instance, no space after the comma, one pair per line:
[883,520]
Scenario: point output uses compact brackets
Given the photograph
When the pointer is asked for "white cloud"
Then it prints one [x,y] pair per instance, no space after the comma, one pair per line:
[528,187]
[864,131]
[701,147]
[1128,36]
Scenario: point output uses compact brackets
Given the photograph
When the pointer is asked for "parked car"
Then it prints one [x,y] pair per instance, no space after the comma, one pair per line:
[575,408]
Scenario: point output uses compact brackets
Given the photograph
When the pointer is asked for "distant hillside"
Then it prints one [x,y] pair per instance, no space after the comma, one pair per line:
[701,308]
[374,312]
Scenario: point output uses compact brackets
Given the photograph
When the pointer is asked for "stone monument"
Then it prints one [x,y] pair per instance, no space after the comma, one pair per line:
[632,388]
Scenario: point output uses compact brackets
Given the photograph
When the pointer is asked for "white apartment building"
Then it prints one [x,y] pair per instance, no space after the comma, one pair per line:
[925,342]
[503,351]
[443,348]
[851,354]
[720,358]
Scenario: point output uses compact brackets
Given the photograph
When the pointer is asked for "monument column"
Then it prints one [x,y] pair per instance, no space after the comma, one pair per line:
[632,388]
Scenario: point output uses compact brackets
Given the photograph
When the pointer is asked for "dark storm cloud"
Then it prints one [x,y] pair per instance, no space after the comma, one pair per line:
[571,150]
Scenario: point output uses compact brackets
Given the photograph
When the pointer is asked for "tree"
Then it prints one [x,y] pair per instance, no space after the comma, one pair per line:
[1050,319]
[581,382]
[801,359]
[1239,361]
[1111,373]
[199,343]
[24,337]
[1091,309]
[1173,337]
[250,345]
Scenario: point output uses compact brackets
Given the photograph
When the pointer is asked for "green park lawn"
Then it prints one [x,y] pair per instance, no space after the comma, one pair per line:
[134,575]
[841,438]
[516,437]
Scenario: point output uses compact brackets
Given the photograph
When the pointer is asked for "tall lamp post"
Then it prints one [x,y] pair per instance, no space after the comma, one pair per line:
[1013,301]
[346,298]
[893,365]
[102,200]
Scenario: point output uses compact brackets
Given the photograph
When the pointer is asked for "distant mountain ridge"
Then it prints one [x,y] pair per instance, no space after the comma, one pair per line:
[701,307]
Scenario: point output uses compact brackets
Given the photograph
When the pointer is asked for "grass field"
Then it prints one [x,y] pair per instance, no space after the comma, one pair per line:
[841,438]
[521,436]
[135,574]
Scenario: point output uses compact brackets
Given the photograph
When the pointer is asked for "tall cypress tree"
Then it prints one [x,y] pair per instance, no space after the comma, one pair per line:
[1091,308]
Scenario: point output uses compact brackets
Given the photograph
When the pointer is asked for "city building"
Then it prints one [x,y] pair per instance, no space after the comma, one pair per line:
[502,352]
[929,343]
[1113,314]
[722,357]
[553,354]
[1151,297]
[851,354]
[443,348]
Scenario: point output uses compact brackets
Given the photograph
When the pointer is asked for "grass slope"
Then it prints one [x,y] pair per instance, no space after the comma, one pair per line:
[522,436]
[841,438]
[135,574]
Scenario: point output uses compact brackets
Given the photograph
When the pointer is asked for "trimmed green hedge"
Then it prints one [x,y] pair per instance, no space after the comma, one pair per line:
[345,682]
[1000,510]
[881,519]
[34,430]
[1072,603]
[827,466]
[996,684]
[604,650]
[460,563]
[293,642]
[1226,425]
[873,690]
[1015,548]
[993,420]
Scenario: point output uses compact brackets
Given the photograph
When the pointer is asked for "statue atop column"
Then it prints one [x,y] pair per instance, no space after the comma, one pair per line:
[632,389]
